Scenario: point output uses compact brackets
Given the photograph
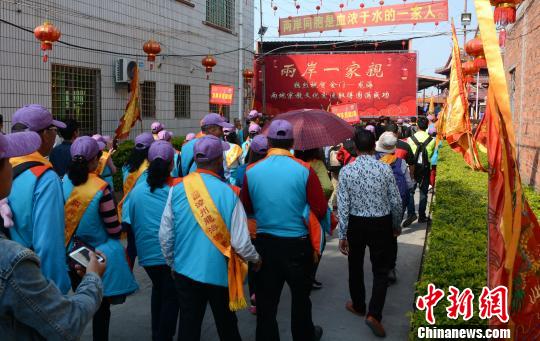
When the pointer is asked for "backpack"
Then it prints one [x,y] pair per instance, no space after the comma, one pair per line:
[422,164]
[400,178]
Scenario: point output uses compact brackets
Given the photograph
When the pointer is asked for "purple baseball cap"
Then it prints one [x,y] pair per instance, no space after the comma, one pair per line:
[209,148]
[85,147]
[254,128]
[161,150]
[144,141]
[100,140]
[253,114]
[399,121]
[259,144]
[280,130]
[36,117]
[18,144]
[157,127]
[370,128]
[190,136]
[165,135]
[215,119]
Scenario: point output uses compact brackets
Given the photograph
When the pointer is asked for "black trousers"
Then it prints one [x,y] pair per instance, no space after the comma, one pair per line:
[164,302]
[102,317]
[377,234]
[287,260]
[193,297]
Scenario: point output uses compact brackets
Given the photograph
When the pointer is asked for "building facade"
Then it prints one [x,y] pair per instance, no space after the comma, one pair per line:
[521,57]
[79,79]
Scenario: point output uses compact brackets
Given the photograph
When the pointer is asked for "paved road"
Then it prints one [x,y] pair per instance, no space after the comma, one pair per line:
[131,321]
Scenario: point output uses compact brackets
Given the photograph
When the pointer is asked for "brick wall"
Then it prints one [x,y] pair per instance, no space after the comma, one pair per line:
[522,64]
[122,26]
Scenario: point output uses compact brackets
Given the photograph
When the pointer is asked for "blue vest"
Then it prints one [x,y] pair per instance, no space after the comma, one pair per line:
[175,173]
[118,279]
[20,202]
[194,254]
[188,164]
[141,179]
[108,177]
[277,188]
[145,211]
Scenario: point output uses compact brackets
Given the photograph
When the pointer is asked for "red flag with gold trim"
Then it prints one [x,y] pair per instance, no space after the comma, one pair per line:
[514,232]
[133,109]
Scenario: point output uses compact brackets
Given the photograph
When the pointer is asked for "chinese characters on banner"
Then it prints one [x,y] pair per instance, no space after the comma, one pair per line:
[347,112]
[378,83]
[413,13]
[221,94]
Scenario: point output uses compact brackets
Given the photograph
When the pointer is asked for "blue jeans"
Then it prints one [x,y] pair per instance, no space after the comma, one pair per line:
[422,205]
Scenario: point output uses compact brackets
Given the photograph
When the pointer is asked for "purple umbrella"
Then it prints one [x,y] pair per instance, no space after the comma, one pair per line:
[315,128]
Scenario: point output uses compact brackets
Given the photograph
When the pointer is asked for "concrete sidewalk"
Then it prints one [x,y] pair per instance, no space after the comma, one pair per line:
[131,321]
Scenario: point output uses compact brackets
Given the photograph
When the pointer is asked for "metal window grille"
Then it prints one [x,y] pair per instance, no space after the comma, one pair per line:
[76,94]
[182,101]
[148,99]
[220,13]
[225,110]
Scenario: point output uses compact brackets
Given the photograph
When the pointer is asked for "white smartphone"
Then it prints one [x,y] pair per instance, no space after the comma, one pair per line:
[82,256]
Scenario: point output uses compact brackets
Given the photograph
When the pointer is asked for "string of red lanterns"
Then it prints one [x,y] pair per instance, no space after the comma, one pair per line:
[475,48]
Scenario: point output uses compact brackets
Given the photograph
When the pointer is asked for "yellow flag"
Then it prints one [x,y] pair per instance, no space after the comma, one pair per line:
[457,127]
[133,109]
[431,109]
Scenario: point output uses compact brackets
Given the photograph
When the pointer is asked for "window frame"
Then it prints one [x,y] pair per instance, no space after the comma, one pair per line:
[64,105]
[178,101]
[148,106]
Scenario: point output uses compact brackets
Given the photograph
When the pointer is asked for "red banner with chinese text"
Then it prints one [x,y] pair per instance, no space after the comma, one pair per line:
[347,112]
[381,84]
[407,13]
[221,94]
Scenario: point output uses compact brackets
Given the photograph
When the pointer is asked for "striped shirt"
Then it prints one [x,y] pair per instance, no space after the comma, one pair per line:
[107,211]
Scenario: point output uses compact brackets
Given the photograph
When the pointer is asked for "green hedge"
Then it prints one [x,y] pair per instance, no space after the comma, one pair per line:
[456,245]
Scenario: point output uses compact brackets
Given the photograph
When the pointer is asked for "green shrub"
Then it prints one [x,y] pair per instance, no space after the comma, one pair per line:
[119,158]
[177,142]
[457,243]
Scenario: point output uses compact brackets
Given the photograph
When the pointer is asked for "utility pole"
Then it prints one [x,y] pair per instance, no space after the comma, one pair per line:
[464,26]
[263,66]
[240,60]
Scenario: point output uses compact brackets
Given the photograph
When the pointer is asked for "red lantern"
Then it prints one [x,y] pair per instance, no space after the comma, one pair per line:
[297,8]
[362,5]
[469,69]
[47,34]
[248,75]
[318,8]
[209,62]
[475,48]
[341,6]
[151,48]
[381,2]
[275,9]
[505,11]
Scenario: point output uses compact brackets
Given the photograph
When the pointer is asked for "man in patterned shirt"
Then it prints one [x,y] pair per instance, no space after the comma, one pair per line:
[369,213]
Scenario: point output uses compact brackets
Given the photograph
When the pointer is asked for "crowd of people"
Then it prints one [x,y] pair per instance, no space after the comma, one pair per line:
[197,220]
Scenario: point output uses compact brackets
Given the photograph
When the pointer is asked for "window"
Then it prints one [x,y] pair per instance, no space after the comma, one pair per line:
[76,94]
[220,13]
[182,104]
[225,110]
[513,89]
[148,99]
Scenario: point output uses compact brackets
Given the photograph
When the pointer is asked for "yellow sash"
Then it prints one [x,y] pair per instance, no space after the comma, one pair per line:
[388,159]
[130,182]
[232,154]
[208,217]
[102,163]
[34,157]
[78,202]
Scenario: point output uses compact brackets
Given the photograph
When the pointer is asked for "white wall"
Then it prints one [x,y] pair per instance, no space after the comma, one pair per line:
[121,26]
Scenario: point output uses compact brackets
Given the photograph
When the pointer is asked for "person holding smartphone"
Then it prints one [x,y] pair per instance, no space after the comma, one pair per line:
[146,204]
[91,219]
[32,307]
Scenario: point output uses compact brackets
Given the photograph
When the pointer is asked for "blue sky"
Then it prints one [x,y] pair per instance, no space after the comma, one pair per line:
[433,52]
